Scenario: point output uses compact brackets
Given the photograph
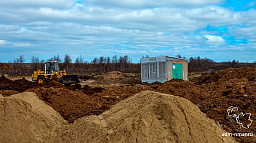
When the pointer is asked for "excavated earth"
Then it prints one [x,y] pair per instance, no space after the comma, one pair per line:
[146,117]
[213,94]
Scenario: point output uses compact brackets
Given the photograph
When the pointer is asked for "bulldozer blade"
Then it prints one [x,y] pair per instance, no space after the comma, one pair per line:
[70,79]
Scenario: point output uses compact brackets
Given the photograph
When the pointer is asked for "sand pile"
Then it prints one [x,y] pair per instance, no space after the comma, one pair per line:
[25,118]
[146,117]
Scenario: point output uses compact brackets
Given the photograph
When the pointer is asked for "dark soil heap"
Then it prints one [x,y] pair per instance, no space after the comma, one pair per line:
[17,85]
[228,74]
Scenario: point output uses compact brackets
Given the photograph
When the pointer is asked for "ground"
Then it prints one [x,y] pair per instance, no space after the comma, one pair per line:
[213,93]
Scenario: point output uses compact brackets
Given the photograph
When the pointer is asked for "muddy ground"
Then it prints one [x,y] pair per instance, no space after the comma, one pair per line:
[213,93]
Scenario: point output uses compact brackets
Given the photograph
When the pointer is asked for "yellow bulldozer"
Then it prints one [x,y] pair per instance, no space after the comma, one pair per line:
[52,72]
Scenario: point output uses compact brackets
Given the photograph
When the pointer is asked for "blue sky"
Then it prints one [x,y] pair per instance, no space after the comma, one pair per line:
[221,30]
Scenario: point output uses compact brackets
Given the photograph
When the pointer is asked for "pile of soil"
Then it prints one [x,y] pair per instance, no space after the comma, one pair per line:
[86,89]
[146,117]
[155,117]
[8,92]
[22,84]
[70,104]
[17,85]
[214,93]
[113,77]
[117,77]
[26,118]
[122,91]
[231,73]
[74,104]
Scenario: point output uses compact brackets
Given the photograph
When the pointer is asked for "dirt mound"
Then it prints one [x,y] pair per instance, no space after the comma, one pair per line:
[231,73]
[86,89]
[216,96]
[114,76]
[70,104]
[149,117]
[17,85]
[74,104]
[52,83]
[146,117]
[25,118]
[8,92]
[111,96]
[22,84]
[111,77]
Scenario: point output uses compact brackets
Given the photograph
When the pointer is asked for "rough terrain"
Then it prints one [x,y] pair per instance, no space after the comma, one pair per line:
[213,93]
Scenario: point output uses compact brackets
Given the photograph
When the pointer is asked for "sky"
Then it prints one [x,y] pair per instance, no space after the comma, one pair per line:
[221,30]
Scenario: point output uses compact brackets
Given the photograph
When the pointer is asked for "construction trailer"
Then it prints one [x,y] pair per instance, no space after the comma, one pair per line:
[163,68]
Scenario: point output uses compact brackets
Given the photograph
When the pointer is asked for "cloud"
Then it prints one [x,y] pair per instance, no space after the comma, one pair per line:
[174,20]
[2,42]
[242,32]
[150,3]
[137,28]
[251,4]
[215,40]
[36,3]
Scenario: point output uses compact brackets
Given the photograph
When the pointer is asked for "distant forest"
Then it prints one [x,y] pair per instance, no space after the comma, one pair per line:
[106,64]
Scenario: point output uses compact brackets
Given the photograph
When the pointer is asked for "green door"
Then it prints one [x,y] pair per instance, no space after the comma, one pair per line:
[177,71]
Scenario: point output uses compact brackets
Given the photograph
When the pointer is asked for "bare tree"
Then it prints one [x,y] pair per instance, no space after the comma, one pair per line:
[108,63]
[55,58]
[115,62]
[21,59]
[15,65]
[95,62]
[42,63]
[121,63]
[198,64]
[79,64]
[67,61]
[126,59]
[35,62]
[101,64]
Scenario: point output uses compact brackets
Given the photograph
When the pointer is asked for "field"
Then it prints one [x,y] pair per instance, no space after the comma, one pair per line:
[212,93]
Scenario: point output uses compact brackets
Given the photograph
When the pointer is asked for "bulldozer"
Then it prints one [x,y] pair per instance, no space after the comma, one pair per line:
[52,72]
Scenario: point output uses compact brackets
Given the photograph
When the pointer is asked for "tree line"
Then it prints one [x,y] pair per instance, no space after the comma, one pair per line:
[98,64]
[106,64]
[198,64]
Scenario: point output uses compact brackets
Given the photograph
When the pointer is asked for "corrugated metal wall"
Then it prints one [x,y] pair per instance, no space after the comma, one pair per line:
[144,71]
[162,70]
[154,71]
